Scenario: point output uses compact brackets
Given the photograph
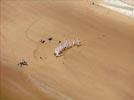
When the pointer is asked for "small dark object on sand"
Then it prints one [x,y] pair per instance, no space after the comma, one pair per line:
[22,63]
[42,41]
[93,3]
[50,38]
[41,58]
[59,41]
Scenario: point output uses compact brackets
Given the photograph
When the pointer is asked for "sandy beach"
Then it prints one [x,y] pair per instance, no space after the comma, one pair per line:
[102,68]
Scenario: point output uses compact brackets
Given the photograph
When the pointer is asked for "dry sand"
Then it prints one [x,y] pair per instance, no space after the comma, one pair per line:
[101,69]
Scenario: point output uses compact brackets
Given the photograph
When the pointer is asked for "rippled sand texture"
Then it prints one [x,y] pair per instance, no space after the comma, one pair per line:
[101,69]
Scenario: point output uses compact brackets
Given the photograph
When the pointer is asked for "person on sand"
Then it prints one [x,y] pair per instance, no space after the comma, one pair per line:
[22,62]
[61,47]
[42,41]
[70,43]
[57,52]
[66,44]
[77,42]
[50,38]
[73,43]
